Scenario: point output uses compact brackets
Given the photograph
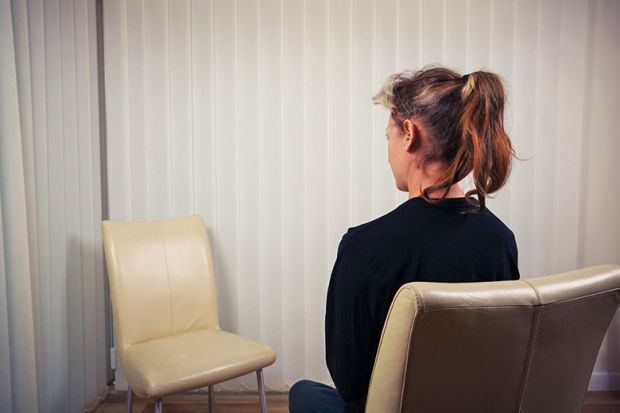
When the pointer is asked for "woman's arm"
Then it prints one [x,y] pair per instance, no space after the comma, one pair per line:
[350,334]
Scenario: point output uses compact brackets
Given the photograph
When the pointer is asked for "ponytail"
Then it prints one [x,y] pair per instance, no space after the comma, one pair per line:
[485,148]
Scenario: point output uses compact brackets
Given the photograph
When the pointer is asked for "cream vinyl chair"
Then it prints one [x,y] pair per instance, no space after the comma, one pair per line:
[524,346]
[162,287]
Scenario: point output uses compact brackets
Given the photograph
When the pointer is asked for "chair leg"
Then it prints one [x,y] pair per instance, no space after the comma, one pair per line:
[129,406]
[159,406]
[211,399]
[261,391]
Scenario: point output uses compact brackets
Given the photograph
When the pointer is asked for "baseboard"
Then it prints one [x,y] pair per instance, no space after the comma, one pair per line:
[604,382]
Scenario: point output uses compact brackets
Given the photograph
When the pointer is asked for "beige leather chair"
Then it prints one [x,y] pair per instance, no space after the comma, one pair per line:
[162,287]
[524,346]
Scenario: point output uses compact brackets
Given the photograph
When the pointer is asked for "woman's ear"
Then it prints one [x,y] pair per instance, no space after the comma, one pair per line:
[411,134]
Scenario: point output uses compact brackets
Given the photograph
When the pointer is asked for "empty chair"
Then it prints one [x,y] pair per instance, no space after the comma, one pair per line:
[162,288]
[525,346]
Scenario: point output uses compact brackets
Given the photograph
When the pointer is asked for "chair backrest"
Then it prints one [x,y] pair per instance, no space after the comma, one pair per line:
[526,346]
[161,278]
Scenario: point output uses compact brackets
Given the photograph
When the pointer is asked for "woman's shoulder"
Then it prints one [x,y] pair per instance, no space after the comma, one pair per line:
[356,237]
[488,226]
[494,220]
[371,234]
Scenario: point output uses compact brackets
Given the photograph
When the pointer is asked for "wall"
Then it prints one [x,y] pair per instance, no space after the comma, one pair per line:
[256,114]
[599,220]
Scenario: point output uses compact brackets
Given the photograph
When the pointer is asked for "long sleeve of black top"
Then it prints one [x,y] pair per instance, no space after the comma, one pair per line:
[417,241]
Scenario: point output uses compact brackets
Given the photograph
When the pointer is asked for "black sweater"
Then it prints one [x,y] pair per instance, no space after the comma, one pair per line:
[417,241]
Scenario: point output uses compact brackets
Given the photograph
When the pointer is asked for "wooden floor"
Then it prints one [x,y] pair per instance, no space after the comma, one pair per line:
[601,402]
[595,402]
[197,403]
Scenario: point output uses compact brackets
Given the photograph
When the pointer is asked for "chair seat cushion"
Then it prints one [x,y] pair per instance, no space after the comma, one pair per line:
[191,360]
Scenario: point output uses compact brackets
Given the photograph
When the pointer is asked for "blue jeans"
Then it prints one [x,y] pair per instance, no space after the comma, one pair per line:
[307,396]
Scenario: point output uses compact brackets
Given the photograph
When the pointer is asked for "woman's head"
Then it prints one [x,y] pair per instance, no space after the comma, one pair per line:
[456,122]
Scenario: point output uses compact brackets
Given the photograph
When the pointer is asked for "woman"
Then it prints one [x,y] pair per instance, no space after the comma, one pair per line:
[442,127]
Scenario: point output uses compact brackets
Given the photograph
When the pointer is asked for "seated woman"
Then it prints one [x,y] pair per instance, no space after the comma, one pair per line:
[442,127]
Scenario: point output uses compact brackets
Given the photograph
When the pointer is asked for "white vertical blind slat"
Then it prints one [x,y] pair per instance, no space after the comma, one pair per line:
[56,214]
[157,67]
[247,135]
[338,118]
[480,20]
[572,89]
[501,62]
[119,148]
[385,56]
[316,157]
[294,175]
[136,101]
[456,34]
[545,135]
[180,109]
[433,27]
[39,118]
[408,32]
[362,89]
[225,241]
[524,95]
[73,209]
[87,209]
[203,111]
[270,170]
[5,341]
[97,295]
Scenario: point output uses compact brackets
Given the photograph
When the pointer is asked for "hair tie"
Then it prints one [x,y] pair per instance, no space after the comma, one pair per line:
[464,78]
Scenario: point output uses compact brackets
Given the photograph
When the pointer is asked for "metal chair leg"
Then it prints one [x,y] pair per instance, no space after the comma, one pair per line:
[159,406]
[261,391]
[211,399]
[129,406]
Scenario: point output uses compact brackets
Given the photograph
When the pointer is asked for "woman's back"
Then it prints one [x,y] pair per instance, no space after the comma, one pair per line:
[418,241]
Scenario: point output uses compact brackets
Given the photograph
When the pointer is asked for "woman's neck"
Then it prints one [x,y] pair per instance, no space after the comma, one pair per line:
[421,178]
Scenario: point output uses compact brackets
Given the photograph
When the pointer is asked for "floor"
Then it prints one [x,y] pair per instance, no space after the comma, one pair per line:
[595,402]
[195,403]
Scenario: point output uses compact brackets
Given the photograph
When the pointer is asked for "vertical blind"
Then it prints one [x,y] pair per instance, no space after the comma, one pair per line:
[257,115]
[51,264]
